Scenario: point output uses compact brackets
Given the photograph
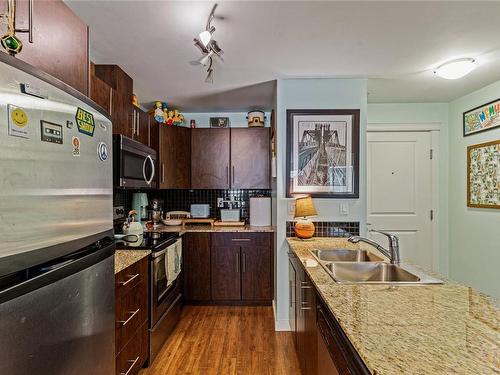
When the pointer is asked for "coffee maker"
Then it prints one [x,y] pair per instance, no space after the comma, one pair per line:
[156,212]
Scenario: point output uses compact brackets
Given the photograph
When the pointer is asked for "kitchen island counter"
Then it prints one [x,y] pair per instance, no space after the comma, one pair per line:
[412,329]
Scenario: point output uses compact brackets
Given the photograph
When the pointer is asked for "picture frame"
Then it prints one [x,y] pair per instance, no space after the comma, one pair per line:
[482,179]
[482,118]
[322,153]
[219,122]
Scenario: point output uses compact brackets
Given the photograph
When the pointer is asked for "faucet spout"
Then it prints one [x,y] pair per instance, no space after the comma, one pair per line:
[392,253]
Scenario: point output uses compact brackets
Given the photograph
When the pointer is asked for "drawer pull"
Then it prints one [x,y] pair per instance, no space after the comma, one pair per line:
[240,239]
[131,277]
[133,361]
[305,287]
[125,322]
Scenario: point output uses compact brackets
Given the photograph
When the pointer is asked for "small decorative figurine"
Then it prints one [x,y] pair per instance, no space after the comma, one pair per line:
[167,115]
[158,112]
[177,119]
[135,101]
[10,42]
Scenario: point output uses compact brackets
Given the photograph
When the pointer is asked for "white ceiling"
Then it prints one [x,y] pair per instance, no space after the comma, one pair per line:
[393,44]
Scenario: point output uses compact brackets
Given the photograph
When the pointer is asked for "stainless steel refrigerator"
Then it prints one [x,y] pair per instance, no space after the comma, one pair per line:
[56,247]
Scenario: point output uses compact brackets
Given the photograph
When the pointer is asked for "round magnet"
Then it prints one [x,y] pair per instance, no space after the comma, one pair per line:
[102,151]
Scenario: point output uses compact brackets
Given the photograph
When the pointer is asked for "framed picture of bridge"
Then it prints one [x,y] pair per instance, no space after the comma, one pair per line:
[323,153]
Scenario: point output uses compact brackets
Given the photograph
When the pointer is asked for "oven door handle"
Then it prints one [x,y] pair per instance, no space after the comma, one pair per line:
[150,159]
[156,254]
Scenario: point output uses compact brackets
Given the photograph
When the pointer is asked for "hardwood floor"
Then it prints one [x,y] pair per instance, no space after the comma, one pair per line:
[223,340]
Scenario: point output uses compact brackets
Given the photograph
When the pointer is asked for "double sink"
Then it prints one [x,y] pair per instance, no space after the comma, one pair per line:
[348,266]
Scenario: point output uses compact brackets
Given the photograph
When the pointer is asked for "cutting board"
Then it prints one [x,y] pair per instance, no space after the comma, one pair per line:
[229,223]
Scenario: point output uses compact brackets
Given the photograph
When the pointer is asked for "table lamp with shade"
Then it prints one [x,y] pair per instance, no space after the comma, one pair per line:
[304,208]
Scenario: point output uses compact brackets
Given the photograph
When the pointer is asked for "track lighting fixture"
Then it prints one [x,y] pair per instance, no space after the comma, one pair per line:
[208,47]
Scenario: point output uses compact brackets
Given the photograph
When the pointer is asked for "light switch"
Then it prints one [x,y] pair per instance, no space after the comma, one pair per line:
[291,207]
[344,209]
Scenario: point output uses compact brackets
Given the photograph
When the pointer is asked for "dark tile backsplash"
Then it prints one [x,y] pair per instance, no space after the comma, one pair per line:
[329,229]
[180,200]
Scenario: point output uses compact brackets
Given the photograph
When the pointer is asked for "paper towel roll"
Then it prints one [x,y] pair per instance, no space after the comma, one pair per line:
[260,211]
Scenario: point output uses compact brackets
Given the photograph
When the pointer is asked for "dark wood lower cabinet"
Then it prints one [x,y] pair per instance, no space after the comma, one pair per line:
[321,344]
[228,268]
[197,267]
[131,317]
[226,272]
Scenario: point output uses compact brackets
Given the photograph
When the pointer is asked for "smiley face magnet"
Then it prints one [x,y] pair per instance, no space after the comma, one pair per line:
[19,122]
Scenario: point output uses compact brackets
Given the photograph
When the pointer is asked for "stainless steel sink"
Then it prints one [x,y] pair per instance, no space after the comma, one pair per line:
[374,273]
[345,255]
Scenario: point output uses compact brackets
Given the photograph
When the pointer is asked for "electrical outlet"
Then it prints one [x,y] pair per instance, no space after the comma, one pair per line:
[291,207]
[344,209]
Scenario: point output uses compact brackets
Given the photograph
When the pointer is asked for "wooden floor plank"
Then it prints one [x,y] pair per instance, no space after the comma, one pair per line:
[226,340]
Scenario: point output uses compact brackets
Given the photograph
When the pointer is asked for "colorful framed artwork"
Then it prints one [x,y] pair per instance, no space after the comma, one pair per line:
[483,175]
[323,153]
[484,117]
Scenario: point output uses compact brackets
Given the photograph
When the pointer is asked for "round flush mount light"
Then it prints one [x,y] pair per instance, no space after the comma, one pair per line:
[456,68]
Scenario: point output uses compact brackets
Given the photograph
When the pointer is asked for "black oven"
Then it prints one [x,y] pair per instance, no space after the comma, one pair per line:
[133,163]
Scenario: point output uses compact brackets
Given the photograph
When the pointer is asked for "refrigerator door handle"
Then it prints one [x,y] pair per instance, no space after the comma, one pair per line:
[150,159]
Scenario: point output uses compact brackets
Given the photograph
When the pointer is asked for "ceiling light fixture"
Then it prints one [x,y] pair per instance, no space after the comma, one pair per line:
[208,47]
[456,68]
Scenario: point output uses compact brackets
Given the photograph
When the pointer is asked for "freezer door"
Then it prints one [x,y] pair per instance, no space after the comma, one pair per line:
[55,167]
[64,327]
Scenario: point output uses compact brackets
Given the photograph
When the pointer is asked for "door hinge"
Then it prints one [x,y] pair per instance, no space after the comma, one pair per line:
[432,215]
[431,153]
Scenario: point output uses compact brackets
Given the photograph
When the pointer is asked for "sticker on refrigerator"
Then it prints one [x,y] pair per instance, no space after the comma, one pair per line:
[18,122]
[51,133]
[85,122]
[102,151]
[69,124]
[75,142]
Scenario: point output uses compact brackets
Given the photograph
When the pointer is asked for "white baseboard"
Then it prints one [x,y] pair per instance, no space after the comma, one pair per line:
[280,324]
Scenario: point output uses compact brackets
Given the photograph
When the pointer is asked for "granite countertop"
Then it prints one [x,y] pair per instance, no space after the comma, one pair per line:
[125,258]
[412,329]
[207,228]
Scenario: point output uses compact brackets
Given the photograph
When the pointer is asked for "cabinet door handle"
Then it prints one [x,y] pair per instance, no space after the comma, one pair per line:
[233,175]
[29,30]
[227,175]
[131,277]
[238,262]
[244,262]
[133,361]
[125,322]
[162,173]
[240,239]
[290,292]
[138,125]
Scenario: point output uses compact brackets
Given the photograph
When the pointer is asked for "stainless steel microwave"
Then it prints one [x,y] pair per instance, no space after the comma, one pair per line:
[133,163]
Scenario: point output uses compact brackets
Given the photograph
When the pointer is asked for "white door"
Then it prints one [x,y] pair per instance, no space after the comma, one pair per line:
[399,177]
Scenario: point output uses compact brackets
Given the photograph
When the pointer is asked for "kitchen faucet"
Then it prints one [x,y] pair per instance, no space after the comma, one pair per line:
[392,253]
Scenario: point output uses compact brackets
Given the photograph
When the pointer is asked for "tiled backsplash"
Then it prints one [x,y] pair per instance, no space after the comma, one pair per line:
[180,200]
[329,229]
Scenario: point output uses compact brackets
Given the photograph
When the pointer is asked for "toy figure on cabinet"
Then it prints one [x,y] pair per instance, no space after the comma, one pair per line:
[158,112]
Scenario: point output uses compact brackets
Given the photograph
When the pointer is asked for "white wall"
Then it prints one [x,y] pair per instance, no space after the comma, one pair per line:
[314,94]
[474,232]
[423,113]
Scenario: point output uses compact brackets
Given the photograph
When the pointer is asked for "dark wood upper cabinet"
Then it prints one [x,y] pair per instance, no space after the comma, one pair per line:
[226,268]
[250,158]
[116,77]
[257,269]
[140,127]
[60,41]
[101,93]
[196,266]
[210,158]
[174,157]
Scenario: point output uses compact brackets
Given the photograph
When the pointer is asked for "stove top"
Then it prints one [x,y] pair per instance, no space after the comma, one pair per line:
[154,241]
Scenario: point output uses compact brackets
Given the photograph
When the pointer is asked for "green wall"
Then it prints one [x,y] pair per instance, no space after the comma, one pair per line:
[474,249]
